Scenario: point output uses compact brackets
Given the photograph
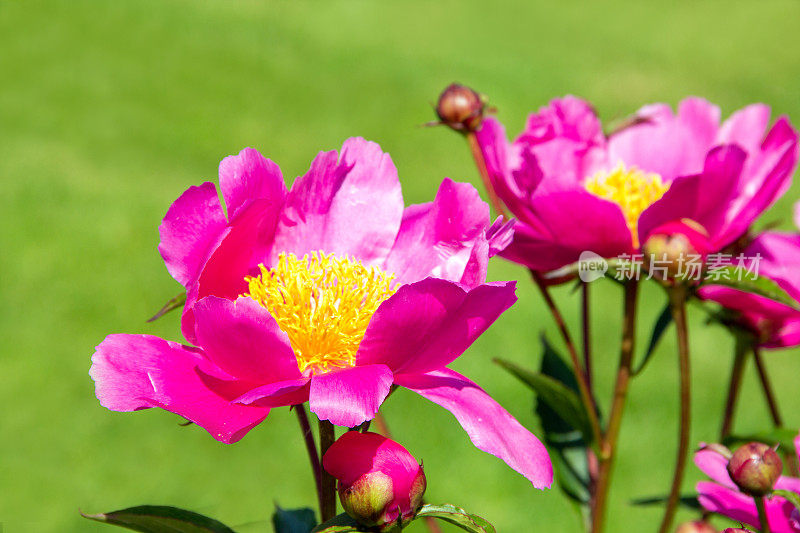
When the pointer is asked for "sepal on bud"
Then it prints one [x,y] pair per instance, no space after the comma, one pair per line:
[755,467]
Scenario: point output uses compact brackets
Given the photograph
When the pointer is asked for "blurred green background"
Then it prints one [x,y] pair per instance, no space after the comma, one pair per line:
[109,110]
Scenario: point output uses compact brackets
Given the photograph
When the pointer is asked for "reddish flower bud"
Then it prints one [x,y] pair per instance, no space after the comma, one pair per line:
[461,108]
[676,250]
[755,467]
[380,483]
[698,526]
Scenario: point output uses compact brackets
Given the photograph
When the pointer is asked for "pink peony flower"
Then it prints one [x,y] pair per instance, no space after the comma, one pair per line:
[773,323]
[380,483]
[723,497]
[574,189]
[330,293]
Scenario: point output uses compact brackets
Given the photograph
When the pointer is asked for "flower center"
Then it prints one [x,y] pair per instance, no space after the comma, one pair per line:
[631,189]
[323,303]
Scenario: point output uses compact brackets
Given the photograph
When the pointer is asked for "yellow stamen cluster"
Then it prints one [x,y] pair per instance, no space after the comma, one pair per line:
[632,189]
[323,303]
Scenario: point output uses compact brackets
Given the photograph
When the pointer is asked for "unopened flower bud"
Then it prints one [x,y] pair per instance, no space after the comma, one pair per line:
[698,526]
[380,483]
[755,467]
[461,108]
[676,250]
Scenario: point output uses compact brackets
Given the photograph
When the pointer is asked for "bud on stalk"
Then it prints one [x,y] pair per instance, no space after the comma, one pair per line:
[755,467]
[461,108]
[380,484]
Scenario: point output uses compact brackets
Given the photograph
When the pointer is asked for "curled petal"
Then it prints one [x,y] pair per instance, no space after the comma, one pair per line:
[134,372]
[490,427]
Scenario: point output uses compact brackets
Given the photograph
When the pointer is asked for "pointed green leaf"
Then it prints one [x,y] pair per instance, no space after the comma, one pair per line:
[160,519]
[689,501]
[662,323]
[174,303]
[565,444]
[793,497]
[560,398]
[293,520]
[742,279]
[342,523]
[458,517]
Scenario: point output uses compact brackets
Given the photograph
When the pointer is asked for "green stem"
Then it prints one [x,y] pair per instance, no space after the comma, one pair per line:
[327,507]
[609,443]
[762,514]
[677,298]
[735,384]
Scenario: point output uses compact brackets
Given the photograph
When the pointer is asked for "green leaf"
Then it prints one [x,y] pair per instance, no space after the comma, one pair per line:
[342,523]
[174,303]
[662,323]
[160,519]
[742,279]
[293,520]
[689,501]
[566,444]
[458,517]
[560,398]
[793,497]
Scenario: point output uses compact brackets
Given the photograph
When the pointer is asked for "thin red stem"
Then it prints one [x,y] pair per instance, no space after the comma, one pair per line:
[678,305]
[609,442]
[311,448]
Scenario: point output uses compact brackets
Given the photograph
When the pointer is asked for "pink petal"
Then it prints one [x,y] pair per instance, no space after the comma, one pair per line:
[426,325]
[437,238]
[714,465]
[513,171]
[350,205]
[351,396]
[727,502]
[577,221]
[355,454]
[250,176]
[490,427]
[702,198]
[669,145]
[566,141]
[134,372]
[243,339]
[190,231]
[495,240]
[745,128]
[246,246]
[277,394]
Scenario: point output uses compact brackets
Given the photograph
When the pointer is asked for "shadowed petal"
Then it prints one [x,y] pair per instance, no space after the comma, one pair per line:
[490,427]
[134,372]
[250,176]
[714,465]
[703,198]
[190,231]
[426,325]
[243,339]
[351,396]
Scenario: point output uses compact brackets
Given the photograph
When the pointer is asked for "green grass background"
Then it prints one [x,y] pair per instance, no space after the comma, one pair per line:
[109,110]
